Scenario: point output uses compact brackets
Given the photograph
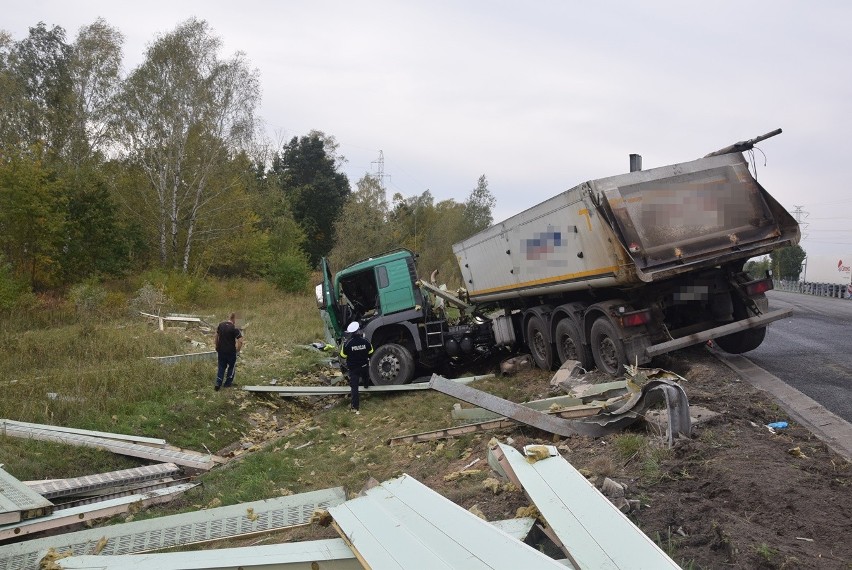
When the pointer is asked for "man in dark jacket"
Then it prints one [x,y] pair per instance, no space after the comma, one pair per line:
[357,351]
[229,341]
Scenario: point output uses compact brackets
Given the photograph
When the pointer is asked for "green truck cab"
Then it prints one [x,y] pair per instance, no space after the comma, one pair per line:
[381,293]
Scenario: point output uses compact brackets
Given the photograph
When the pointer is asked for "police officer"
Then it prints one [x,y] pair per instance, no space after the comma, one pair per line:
[357,351]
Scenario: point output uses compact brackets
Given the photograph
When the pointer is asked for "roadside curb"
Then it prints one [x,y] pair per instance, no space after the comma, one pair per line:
[833,430]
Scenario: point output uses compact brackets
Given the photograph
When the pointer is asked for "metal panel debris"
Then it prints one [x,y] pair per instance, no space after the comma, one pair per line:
[285,391]
[403,524]
[593,533]
[328,554]
[504,407]
[88,483]
[177,530]
[191,357]
[86,513]
[19,502]
[178,456]
[157,442]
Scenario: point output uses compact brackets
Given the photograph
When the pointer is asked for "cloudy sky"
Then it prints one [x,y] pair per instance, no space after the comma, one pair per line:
[538,96]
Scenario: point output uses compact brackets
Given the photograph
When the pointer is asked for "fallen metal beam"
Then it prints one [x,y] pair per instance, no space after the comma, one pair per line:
[89,483]
[286,391]
[157,442]
[592,532]
[503,407]
[180,457]
[191,357]
[19,502]
[202,526]
[703,336]
[88,513]
[402,524]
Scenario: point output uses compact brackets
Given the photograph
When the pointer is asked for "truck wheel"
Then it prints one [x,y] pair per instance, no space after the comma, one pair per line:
[541,349]
[749,339]
[742,341]
[569,344]
[391,364]
[607,349]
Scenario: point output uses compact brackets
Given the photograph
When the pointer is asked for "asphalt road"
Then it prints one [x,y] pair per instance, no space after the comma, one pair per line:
[812,349]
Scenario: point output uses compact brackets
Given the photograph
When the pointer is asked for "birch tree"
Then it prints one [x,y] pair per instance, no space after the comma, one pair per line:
[185,112]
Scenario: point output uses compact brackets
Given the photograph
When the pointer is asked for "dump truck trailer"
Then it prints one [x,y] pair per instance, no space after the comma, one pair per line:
[611,272]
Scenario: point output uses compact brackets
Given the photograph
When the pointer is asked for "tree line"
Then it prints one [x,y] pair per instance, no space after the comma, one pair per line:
[103,174]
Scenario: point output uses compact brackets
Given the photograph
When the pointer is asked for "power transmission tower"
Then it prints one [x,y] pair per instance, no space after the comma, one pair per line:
[800,215]
[380,170]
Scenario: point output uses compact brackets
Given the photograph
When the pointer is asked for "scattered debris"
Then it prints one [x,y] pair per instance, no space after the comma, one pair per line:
[569,370]
[797,452]
[589,529]
[516,364]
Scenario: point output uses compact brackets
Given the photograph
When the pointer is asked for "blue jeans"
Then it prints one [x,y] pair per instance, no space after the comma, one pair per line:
[227,368]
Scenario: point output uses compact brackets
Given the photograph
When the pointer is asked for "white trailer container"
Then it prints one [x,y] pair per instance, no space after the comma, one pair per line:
[835,269]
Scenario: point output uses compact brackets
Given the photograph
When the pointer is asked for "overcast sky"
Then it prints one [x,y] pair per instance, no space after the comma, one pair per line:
[538,96]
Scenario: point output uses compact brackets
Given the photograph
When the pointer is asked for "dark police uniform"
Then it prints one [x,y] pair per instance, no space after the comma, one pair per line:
[357,351]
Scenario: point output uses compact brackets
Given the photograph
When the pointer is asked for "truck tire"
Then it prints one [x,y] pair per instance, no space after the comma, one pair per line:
[540,348]
[742,341]
[569,344]
[607,348]
[749,339]
[391,364]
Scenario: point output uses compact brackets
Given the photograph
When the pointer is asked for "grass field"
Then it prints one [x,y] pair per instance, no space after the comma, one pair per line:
[90,370]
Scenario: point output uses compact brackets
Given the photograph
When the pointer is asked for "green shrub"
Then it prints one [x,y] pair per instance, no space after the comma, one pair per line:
[290,272]
[14,292]
[88,297]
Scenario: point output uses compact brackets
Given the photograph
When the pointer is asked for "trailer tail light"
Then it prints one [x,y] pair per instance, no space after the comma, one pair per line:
[753,288]
[636,318]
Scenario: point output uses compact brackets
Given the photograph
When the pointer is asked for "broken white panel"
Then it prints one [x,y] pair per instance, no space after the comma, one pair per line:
[595,534]
[86,513]
[18,502]
[328,554]
[106,435]
[88,483]
[177,530]
[178,456]
[403,524]
[516,528]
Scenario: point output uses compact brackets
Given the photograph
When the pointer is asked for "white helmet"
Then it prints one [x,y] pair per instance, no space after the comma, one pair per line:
[353,326]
